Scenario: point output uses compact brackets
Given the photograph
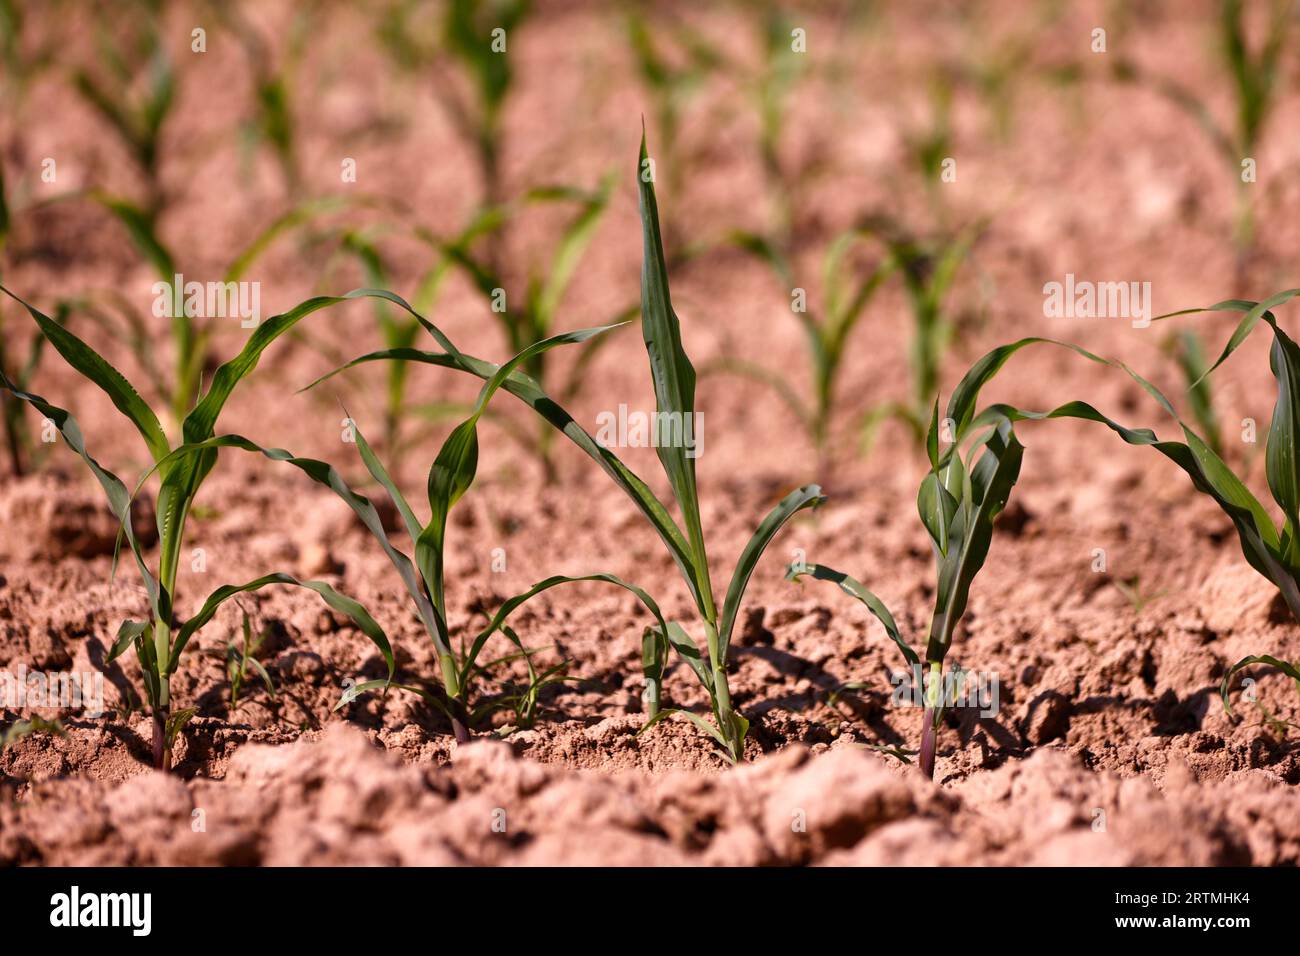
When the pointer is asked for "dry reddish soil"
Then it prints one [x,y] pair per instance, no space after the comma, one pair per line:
[1110,745]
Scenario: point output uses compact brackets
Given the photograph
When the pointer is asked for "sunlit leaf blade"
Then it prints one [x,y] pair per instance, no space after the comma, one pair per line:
[853,588]
[380,474]
[991,480]
[809,496]
[1281,455]
[674,380]
[512,604]
[1290,670]
[127,634]
[95,368]
[530,393]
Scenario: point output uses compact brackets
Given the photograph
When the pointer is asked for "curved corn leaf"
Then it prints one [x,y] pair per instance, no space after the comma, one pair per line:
[339,602]
[1261,544]
[325,474]
[1290,670]
[380,474]
[93,366]
[1282,456]
[530,393]
[127,634]
[454,469]
[513,603]
[1254,312]
[809,496]
[853,588]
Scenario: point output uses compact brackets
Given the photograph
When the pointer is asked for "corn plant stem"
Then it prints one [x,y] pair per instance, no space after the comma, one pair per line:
[457,710]
[929,730]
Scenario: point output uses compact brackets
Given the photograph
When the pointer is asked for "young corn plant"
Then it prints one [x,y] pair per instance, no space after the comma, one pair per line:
[160,639]
[1270,548]
[928,269]
[847,291]
[958,501]
[476,38]
[1255,80]
[673,377]
[450,477]
[133,90]
[242,657]
[526,318]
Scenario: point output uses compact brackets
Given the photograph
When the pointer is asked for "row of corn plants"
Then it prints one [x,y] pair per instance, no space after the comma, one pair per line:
[975,461]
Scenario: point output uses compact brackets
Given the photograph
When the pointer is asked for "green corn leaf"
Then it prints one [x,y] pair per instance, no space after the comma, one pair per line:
[339,602]
[176,722]
[694,718]
[530,393]
[853,588]
[1290,670]
[1254,312]
[454,468]
[674,382]
[262,672]
[1282,457]
[127,634]
[809,496]
[325,474]
[689,651]
[94,367]
[991,480]
[380,474]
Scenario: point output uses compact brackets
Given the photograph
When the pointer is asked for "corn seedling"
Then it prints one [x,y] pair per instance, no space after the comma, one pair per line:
[928,269]
[1255,80]
[523,699]
[526,318]
[847,290]
[673,377]
[1136,597]
[1271,549]
[476,38]
[242,657]
[958,502]
[450,476]
[133,90]
[160,640]
[1189,354]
